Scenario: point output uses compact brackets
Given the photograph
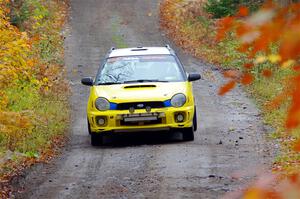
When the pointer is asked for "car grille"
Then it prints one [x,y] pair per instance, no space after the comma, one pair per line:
[139,105]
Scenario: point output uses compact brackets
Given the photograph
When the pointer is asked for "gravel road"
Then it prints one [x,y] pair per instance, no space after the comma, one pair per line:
[230,134]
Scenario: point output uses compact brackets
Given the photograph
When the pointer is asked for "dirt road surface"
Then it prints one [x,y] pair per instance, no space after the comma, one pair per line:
[229,138]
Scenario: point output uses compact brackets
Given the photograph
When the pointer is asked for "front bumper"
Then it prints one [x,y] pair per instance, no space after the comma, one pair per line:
[121,120]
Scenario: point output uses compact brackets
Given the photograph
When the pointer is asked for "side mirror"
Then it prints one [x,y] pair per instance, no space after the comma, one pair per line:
[88,81]
[194,77]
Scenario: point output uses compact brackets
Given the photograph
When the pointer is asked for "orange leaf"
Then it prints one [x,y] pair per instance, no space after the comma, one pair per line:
[294,178]
[297,146]
[220,34]
[295,6]
[267,73]
[290,45]
[224,25]
[247,79]
[260,44]
[244,48]
[243,29]
[291,122]
[277,101]
[293,118]
[254,193]
[227,87]
[248,65]
[226,22]
[243,11]
[296,68]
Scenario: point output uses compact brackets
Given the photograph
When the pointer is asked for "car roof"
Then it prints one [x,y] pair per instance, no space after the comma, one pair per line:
[140,51]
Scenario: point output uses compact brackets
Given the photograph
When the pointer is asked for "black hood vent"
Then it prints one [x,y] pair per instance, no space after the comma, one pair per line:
[139,86]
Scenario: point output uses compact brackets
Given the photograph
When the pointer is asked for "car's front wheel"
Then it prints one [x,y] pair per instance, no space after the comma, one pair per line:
[89,127]
[195,120]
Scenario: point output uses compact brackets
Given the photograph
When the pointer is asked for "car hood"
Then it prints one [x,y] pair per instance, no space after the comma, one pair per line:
[152,91]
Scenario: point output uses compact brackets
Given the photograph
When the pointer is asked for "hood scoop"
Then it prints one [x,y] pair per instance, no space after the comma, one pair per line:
[139,86]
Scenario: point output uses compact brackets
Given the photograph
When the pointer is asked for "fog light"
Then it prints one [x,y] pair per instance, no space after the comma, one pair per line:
[101,121]
[179,117]
[148,109]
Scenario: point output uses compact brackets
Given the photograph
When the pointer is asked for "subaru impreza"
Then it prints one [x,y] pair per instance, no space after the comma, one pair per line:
[141,89]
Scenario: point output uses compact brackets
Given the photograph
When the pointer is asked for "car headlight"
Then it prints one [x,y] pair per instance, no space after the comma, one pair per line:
[102,104]
[178,100]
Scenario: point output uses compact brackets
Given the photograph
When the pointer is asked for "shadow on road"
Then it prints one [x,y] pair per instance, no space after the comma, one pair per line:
[141,138]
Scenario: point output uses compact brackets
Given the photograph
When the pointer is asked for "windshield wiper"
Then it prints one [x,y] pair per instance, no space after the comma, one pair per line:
[109,83]
[144,80]
[132,81]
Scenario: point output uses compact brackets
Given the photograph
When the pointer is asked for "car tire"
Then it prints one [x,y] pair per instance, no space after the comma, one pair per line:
[89,127]
[188,134]
[96,139]
[195,125]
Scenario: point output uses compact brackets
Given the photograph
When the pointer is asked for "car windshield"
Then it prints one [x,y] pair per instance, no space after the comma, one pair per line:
[154,68]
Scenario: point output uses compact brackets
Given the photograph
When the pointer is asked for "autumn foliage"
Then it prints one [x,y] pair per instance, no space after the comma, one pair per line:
[178,18]
[31,81]
[271,25]
[278,26]
[16,64]
[21,64]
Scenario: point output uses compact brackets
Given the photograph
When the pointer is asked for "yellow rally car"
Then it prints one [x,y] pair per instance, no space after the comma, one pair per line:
[141,89]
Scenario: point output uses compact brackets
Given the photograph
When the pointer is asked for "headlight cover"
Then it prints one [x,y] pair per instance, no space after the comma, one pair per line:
[178,100]
[102,104]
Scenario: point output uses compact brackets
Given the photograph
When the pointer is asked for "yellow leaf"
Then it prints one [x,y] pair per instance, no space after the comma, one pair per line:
[260,59]
[34,81]
[288,63]
[274,58]
[253,193]
[45,79]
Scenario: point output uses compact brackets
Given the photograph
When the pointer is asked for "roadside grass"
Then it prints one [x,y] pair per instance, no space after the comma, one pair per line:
[191,28]
[263,90]
[49,115]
